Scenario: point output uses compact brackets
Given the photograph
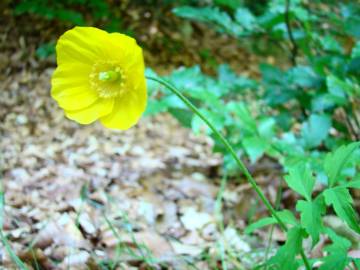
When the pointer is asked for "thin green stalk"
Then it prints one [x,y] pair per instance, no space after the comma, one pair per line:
[220,221]
[227,146]
[3,238]
[232,152]
[277,206]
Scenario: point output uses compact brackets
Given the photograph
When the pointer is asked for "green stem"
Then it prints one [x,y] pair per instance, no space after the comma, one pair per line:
[231,150]
[3,238]
[227,146]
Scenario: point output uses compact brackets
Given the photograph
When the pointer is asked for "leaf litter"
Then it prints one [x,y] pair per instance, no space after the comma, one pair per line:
[84,197]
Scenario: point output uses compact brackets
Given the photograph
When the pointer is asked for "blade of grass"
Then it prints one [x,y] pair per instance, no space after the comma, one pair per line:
[277,205]
[220,220]
[3,238]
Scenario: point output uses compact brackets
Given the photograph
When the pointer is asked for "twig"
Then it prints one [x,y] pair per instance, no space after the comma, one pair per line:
[294,47]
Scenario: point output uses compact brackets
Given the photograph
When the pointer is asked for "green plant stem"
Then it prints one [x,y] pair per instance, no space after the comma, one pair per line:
[228,147]
[231,150]
[3,238]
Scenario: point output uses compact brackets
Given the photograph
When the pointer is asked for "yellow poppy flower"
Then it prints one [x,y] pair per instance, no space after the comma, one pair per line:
[100,76]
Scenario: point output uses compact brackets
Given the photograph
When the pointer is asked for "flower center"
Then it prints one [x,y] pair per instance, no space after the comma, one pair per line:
[108,76]
[108,79]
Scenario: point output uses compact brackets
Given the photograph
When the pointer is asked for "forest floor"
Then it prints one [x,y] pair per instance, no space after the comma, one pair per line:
[84,197]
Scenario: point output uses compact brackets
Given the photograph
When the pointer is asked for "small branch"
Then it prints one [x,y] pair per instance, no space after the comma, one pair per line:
[294,47]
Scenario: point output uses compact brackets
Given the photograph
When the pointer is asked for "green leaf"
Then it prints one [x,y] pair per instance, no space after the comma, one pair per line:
[330,44]
[336,261]
[356,50]
[245,18]
[259,224]
[354,67]
[154,106]
[230,81]
[300,179]
[254,147]
[70,16]
[221,20]
[286,216]
[352,26]
[335,162]
[45,50]
[310,217]
[337,258]
[266,127]
[316,129]
[340,199]
[354,184]
[197,124]
[285,258]
[232,4]
[303,76]
[183,116]
[338,89]
[248,124]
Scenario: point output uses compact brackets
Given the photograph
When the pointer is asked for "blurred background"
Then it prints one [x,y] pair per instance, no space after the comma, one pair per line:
[279,78]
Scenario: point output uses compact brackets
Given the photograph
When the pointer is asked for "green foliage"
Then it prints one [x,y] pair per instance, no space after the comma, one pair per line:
[285,257]
[301,180]
[286,216]
[45,50]
[340,199]
[63,10]
[310,214]
[335,162]
[70,13]
[337,258]
[291,113]
[315,130]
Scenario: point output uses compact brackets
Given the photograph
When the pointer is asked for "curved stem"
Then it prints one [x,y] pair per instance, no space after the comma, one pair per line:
[294,49]
[231,150]
[227,146]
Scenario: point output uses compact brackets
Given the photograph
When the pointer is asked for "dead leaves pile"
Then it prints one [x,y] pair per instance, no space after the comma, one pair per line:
[83,197]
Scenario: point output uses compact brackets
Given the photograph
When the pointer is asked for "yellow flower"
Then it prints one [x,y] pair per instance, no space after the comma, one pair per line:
[100,75]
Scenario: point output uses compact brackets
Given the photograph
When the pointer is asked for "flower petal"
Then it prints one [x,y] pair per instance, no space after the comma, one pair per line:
[77,98]
[123,48]
[90,114]
[127,109]
[81,44]
[69,76]
[135,75]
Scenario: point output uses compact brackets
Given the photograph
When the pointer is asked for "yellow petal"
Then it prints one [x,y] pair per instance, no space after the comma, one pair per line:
[80,98]
[81,44]
[135,75]
[90,114]
[121,48]
[127,109]
[69,76]
[80,52]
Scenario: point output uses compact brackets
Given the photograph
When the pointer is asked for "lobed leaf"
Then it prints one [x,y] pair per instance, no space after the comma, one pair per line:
[310,216]
[285,258]
[337,258]
[286,216]
[316,129]
[340,199]
[335,162]
[300,179]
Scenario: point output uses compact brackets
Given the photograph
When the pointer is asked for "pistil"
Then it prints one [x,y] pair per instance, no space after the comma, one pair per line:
[109,76]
